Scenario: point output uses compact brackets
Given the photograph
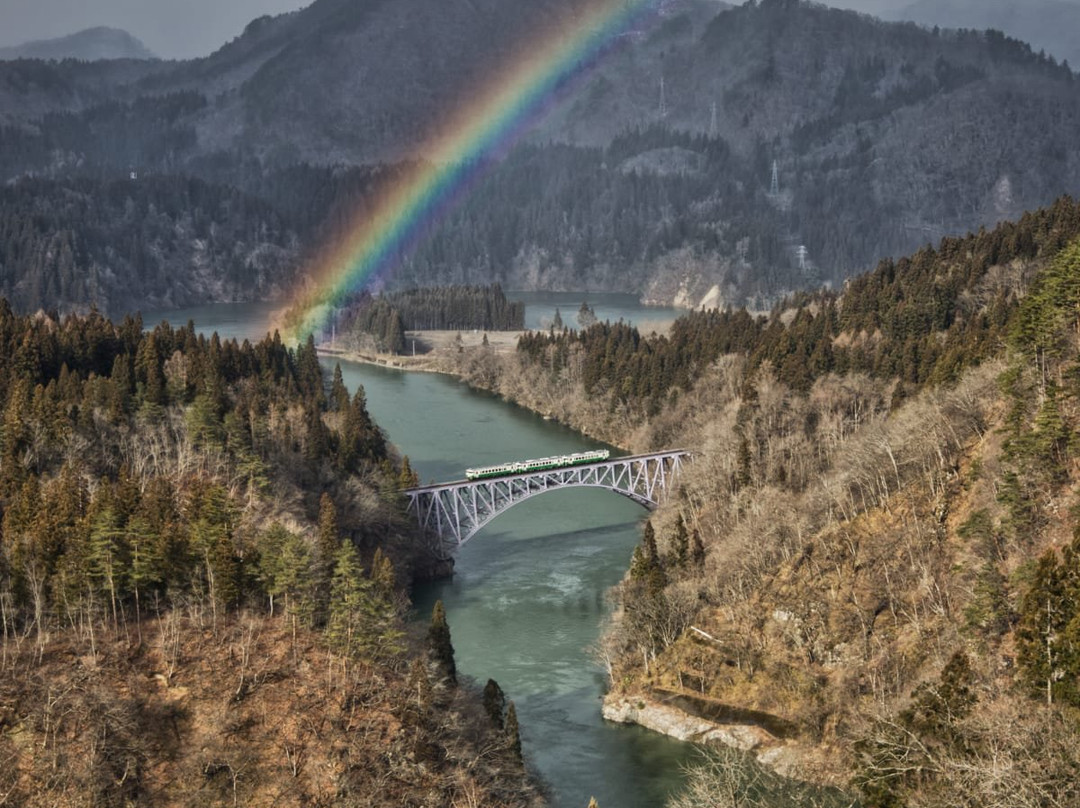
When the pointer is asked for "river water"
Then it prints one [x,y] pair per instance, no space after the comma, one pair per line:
[528,596]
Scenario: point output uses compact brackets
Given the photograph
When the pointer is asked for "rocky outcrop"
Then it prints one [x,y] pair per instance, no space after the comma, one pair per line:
[783,756]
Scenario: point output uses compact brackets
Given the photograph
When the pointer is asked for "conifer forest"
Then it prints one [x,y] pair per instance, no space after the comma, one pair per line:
[847,250]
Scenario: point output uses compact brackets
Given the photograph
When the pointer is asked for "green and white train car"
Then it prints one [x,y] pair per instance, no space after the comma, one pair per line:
[538,464]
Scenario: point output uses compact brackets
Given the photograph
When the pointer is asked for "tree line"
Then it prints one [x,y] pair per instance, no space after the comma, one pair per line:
[123,244]
[383,319]
[177,508]
[128,459]
[921,320]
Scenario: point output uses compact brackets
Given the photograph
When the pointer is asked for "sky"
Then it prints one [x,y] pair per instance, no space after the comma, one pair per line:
[172,29]
[178,29]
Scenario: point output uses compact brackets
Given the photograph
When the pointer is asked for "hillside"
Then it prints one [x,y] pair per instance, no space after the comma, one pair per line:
[138,243]
[884,136]
[1048,25]
[203,562]
[859,563]
[87,46]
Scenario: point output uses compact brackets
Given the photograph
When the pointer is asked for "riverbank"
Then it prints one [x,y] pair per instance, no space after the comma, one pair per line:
[427,349]
[690,718]
[494,368]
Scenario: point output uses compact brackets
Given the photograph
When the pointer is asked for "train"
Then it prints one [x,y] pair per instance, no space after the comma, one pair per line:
[538,464]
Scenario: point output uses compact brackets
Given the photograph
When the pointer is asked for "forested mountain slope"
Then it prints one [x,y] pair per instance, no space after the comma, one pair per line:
[1047,24]
[202,562]
[136,243]
[883,135]
[876,545]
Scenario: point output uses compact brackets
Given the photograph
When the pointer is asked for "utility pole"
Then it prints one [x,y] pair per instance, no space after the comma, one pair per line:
[712,122]
[802,252]
[774,186]
[663,102]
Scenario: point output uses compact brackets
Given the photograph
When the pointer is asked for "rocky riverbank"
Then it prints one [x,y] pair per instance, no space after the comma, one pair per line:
[658,712]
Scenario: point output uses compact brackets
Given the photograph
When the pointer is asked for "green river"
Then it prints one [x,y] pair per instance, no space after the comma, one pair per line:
[528,597]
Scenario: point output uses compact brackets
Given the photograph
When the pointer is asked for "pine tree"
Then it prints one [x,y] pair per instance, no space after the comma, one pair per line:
[681,542]
[148,370]
[339,396]
[327,543]
[494,702]
[285,569]
[645,565]
[122,385]
[744,474]
[988,611]
[648,543]
[439,644]
[309,372]
[351,627]
[316,436]
[107,562]
[697,549]
[937,707]
[513,732]
[407,478]
[586,316]
[382,575]
[1044,615]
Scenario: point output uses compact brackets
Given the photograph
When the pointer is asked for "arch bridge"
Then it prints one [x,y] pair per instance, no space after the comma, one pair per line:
[456,511]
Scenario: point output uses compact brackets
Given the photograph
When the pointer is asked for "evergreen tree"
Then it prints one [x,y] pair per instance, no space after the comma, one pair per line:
[513,732]
[494,702]
[408,478]
[339,395]
[327,544]
[439,645]
[107,563]
[697,549]
[1043,616]
[285,569]
[210,534]
[382,575]
[586,316]
[680,542]
[351,626]
[989,612]
[1048,627]
[648,543]
[645,565]
[744,475]
[936,708]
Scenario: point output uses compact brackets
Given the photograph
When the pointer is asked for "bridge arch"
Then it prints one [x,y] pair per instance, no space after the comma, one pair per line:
[457,511]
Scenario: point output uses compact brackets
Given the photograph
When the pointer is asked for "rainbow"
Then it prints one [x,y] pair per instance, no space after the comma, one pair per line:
[474,136]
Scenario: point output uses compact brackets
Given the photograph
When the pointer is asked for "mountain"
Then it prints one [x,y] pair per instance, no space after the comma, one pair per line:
[1050,25]
[205,507]
[137,243]
[89,45]
[870,576]
[652,171]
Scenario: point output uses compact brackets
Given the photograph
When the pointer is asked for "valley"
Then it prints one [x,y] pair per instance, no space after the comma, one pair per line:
[834,258]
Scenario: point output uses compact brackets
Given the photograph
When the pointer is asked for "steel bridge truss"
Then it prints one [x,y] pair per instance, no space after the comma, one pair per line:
[456,511]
